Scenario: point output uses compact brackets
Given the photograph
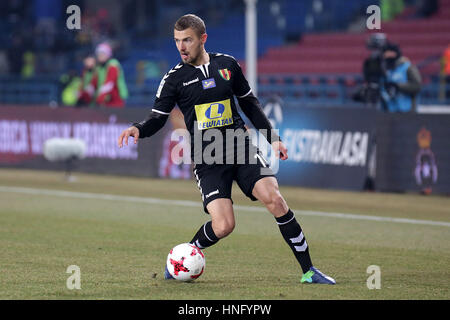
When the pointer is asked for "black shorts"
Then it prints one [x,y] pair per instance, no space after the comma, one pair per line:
[215,181]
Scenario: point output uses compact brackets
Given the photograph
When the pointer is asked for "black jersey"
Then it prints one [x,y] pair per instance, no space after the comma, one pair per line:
[204,93]
[205,96]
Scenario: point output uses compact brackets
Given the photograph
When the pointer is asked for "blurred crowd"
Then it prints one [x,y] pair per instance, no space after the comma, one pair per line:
[102,81]
[34,40]
[35,30]
[37,41]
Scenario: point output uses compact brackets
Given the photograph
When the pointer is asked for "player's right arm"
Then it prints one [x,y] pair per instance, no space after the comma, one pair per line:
[164,103]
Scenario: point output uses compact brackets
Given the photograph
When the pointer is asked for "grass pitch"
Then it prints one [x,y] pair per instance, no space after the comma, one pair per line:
[121,245]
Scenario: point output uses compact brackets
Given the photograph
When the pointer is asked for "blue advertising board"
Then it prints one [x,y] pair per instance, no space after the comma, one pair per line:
[327,147]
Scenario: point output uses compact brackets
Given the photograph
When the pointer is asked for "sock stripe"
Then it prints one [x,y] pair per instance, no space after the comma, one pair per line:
[301,248]
[297,239]
[206,235]
[283,223]
[198,245]
[285,219]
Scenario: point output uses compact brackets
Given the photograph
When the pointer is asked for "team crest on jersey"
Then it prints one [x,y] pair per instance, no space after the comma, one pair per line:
[225,74]
[214,114]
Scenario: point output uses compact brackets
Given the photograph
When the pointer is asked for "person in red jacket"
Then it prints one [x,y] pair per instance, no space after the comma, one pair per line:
[108,83]
[85,92]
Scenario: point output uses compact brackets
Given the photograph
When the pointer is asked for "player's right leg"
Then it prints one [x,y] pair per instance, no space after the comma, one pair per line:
[214,183]
[221,224]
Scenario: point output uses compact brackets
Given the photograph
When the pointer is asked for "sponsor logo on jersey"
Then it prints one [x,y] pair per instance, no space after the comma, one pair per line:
[225,74]
[208,83]
[214,114]
[190,82]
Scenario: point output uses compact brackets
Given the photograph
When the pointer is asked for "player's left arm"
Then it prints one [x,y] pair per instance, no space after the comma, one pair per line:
[251,107]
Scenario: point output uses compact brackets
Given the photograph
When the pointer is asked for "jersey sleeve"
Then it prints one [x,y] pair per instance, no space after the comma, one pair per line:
[165,96]
[164,103]
[240,85]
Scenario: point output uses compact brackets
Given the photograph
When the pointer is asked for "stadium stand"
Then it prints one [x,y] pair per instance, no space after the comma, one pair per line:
[333,61]
[309,51]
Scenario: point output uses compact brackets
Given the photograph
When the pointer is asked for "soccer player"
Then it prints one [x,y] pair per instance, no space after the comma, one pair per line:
[203,85]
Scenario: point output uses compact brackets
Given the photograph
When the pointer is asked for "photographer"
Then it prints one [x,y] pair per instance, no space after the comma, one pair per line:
[373,71]
[401,82]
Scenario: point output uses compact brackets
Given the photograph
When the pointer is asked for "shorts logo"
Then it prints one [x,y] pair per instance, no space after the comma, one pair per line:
[208,83]
[214,114]
[212,193]
[225,74]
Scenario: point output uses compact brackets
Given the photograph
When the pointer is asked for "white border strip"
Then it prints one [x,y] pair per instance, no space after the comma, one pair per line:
[194,204]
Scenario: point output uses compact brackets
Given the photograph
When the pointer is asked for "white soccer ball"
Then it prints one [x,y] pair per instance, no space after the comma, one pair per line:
[186,262]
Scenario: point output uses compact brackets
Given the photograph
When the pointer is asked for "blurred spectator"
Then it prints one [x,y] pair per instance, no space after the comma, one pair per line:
[445,75]
[28,65]
[71,84]
[372,71]
[4,68]
[390,9]
[84,98]
[402,81]
[103,25]
[446,60]
[15,54]
[426,8]
[108,83]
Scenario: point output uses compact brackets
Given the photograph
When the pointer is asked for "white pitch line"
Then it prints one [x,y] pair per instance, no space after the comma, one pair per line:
[187,203]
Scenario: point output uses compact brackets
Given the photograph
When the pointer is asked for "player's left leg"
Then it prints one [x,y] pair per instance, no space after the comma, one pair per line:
[266,190]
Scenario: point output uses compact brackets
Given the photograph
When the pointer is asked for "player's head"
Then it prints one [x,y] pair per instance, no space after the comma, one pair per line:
[103,52]
[190,37]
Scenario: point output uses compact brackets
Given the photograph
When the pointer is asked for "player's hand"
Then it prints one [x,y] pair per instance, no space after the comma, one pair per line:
[130,132]
[280,150]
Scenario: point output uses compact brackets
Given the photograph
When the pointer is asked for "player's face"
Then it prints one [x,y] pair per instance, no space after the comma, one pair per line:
[189,45]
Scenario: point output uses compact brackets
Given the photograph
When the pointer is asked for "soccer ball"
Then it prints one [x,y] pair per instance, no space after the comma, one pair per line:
[185,262]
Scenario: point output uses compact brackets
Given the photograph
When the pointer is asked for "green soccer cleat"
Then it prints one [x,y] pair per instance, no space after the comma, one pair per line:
[315,276]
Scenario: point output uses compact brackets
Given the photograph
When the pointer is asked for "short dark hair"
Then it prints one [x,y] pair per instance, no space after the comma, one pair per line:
[191,21]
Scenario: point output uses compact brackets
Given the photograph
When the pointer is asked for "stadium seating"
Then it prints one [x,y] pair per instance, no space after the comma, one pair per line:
[326,55]
[299,59]
[37,91]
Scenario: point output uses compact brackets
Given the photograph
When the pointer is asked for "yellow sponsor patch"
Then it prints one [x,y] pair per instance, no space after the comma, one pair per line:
[214,114]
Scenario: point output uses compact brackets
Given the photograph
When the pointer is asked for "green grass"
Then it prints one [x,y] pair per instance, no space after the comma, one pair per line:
[121,246]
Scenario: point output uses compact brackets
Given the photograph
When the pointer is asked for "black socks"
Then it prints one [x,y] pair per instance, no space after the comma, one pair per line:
[289,228]
[205,236]
[293,235]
